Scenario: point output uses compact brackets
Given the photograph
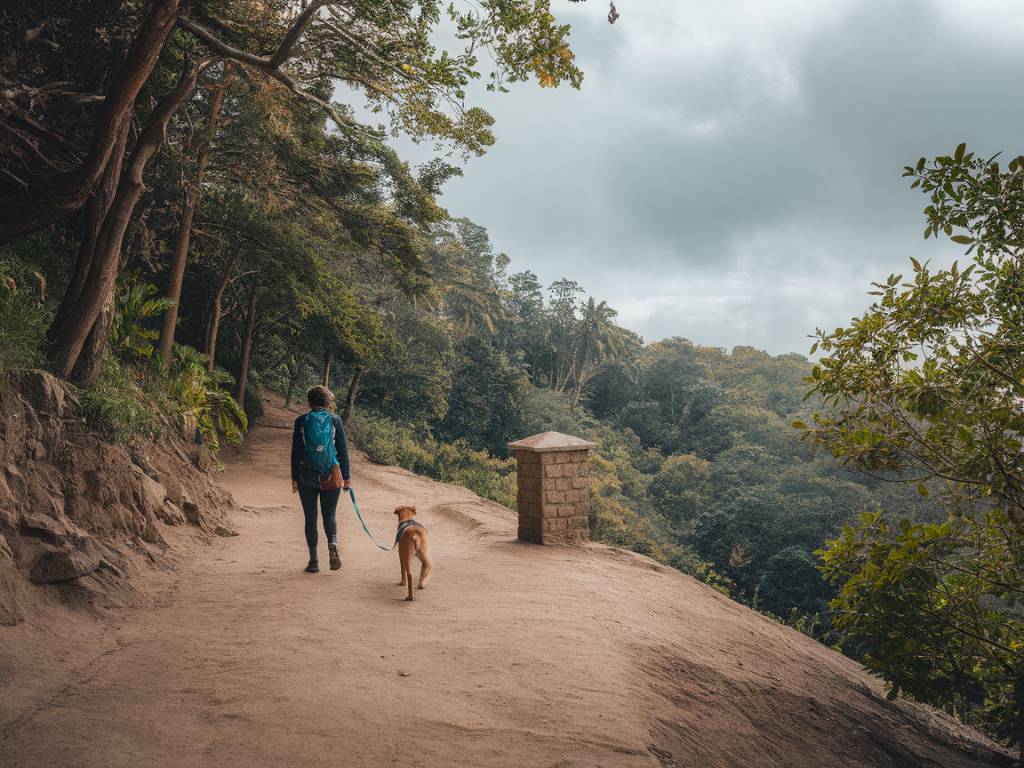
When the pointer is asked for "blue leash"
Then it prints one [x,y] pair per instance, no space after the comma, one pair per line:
[352,495]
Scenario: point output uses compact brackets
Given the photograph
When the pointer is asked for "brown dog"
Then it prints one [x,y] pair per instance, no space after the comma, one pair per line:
[412,539]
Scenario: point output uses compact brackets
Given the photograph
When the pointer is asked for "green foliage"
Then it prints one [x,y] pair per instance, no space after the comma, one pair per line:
[679,487]
[202,399]
[23,319]
[131,339]
[117,407]
[389,442]
[926,387]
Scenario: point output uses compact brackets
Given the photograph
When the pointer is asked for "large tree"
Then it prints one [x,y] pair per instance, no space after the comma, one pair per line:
[928,385]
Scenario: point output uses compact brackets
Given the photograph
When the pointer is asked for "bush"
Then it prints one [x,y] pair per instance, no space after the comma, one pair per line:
[202,399]
[116,406]
[23,321]
[388,442]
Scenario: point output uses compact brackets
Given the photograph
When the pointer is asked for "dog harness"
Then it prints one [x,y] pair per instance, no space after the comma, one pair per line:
[404,526]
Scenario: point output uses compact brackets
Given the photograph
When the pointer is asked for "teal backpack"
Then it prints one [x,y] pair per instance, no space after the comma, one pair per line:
[318,442]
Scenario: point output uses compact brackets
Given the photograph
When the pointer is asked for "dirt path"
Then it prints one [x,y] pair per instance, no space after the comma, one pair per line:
[515,655]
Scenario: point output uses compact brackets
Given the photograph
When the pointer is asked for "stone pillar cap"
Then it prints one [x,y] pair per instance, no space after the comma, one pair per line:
[551,441]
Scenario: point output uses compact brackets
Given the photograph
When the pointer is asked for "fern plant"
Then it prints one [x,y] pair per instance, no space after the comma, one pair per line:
[131,339]
[203,399]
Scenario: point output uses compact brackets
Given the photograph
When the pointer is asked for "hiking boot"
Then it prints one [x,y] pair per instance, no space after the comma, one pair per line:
[313,567]
[335,558]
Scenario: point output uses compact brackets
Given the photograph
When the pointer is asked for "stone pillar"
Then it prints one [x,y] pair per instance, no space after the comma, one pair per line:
[553,498]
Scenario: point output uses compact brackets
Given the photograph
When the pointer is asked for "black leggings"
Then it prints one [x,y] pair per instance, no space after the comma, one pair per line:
[328,507]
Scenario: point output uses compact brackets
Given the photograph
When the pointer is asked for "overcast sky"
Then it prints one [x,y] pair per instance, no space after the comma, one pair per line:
[730,171]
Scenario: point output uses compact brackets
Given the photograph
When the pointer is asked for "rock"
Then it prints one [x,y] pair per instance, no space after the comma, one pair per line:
[171,514]
[71,562]
[141,460]
[48,527]
[8,505]
[190,507]
[202,458]
[174,489]
[153,493]
[224,532]
[44,392]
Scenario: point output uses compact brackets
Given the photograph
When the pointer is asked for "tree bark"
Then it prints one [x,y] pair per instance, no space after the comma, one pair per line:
[95,213]
[327,369]
[180,254]
[90,362]
[350,398]
[213,327]
[293,375]
[98,288]
[52,195]
[250,329]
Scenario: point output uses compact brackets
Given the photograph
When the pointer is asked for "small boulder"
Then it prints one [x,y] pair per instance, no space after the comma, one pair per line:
[44,392]
[153,493]
[48,527]
[71,562]
[190,507]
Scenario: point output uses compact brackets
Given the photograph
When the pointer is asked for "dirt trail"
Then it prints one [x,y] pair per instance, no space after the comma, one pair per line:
[515,655]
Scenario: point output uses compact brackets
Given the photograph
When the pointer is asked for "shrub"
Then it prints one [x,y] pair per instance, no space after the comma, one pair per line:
[388,442]
[202,399]
[116,406]
[23,320]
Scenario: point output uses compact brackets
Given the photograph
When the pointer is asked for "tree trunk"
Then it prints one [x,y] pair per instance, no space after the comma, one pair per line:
[213,327]
[327,369]
[95,213]
[98,287]
[180,255]
[293,375]
[250,329]
[52,195]
[90,362]
[350,398]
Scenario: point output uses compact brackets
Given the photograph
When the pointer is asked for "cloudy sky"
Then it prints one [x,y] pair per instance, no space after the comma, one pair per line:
[730,171]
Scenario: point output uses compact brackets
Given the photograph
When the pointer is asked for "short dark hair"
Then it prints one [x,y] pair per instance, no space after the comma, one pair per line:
[319,397]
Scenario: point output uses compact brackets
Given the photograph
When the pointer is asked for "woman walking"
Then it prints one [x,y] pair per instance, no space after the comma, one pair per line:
[320,471]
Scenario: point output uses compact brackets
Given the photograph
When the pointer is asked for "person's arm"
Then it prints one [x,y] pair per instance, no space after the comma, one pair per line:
[341,447]
[296,449]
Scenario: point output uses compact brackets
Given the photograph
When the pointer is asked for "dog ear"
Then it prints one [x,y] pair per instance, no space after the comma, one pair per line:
[398,510]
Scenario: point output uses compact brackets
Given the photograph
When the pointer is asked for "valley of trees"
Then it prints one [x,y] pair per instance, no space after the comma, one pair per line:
[189,218]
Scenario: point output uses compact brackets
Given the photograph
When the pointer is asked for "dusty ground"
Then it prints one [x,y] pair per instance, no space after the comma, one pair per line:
[515,655]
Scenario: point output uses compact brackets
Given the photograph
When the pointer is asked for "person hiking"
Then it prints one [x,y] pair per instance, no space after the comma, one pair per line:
[320,470]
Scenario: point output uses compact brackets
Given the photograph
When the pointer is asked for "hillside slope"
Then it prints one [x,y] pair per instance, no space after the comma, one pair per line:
[515,655]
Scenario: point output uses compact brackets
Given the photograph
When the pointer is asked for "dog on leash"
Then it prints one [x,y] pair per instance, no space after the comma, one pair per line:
[411,539]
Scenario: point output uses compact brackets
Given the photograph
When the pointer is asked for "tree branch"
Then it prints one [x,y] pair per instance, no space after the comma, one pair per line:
[298,27]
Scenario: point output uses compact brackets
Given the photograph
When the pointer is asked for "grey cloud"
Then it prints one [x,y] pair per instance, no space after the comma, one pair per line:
[730,172]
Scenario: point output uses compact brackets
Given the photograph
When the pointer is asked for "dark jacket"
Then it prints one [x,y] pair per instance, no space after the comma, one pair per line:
[310,477]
